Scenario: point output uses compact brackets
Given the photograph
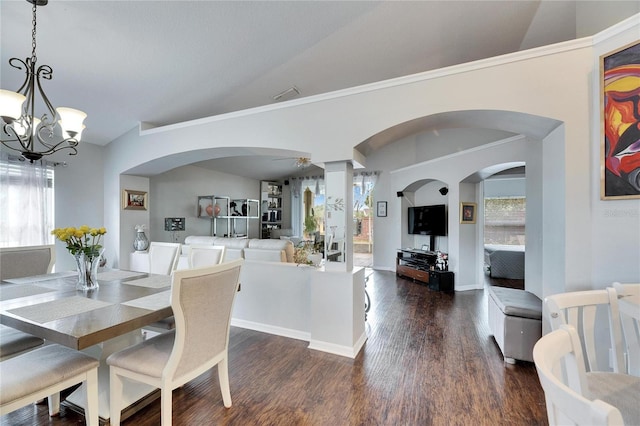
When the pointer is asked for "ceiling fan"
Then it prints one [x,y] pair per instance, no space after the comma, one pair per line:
[299,162]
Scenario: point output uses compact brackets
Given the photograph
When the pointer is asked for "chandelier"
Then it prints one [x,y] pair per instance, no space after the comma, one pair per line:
[55,130]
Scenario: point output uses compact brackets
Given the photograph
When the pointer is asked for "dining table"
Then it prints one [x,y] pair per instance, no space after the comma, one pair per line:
[97,322]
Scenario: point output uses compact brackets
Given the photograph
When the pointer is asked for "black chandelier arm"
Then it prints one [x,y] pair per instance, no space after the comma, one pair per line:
[22,66]
[25,144]
[46,72]
[14,138]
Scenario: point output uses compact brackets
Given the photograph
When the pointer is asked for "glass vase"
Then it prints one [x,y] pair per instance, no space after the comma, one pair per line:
[141,242]
[88,270]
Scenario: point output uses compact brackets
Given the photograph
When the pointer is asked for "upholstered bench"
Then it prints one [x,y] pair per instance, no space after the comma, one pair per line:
[45,372]
[515,319]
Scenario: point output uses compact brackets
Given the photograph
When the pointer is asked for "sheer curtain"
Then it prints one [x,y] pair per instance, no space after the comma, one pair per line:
[298,185]
[26,202]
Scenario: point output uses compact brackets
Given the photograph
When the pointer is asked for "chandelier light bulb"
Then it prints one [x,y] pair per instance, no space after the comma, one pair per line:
[71,120]
[11,105]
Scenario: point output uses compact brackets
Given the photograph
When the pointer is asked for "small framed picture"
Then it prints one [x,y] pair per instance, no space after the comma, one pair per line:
[134,200]
[381,209]
[467,212]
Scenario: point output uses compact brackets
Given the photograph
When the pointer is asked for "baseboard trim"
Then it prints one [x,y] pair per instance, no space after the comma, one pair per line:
[332,348]
[271,329]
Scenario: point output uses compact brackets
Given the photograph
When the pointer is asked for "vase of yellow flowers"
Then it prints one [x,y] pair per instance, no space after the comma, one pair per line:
[84,244]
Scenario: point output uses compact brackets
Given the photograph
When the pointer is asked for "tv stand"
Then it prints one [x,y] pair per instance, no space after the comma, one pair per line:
[419,265]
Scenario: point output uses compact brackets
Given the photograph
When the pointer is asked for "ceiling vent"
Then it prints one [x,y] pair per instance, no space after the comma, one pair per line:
[285,95]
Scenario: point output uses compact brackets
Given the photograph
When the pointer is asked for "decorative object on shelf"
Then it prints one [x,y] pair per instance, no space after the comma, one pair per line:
[442,261]
[84,244]
[141,242]
[381,209]
[57,129]
[619,152]
[216,209]
[209,210]
[467,212]
[134,200]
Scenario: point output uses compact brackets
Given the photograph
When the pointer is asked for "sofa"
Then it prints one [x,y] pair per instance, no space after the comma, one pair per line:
[237,248]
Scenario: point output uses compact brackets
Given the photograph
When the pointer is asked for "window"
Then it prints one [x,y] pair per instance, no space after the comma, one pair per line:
[504,220]
[26,202]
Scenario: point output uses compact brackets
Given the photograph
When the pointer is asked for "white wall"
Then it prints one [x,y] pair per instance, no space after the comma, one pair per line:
[175,194]
[78,196]
[329,126]
[505,187]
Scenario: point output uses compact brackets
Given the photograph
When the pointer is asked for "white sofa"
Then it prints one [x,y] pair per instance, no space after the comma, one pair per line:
[236,248]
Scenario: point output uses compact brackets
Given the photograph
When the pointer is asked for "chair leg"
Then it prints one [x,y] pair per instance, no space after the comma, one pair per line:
[91,412]
[165,403]
[53,401]
[223,378]
[115,395]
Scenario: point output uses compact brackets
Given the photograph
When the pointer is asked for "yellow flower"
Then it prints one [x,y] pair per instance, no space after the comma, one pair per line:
[84,229]
[103,230]
[93,232]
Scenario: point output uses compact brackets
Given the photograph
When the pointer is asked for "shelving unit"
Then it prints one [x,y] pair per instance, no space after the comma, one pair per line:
[243,211]
[270,207]
[207,206]
[231,219]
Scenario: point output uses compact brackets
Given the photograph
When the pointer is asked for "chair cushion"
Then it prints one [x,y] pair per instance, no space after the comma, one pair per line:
[148,357]
[40,368]
[516,303]
[13,341]
[620,390]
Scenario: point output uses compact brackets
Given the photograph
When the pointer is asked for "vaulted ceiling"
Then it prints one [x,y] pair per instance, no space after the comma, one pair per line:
[163,62]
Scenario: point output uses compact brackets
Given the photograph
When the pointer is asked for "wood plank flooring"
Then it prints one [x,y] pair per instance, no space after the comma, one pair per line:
[429,360]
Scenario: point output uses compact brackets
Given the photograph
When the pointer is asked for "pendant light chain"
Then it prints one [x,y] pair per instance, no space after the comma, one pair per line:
[33,35]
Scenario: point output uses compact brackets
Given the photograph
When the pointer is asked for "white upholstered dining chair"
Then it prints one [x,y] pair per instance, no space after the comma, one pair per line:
[202,302]
[630,328]
[206,255]
[571,398]
[199,257]
[18,262]
[163,257]
[580,310]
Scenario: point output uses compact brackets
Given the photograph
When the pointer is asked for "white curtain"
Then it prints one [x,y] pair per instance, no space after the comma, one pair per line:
[296,206]
[298,185]
[26,202]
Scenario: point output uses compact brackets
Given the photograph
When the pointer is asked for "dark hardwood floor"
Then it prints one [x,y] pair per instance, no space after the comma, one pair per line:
[429,360]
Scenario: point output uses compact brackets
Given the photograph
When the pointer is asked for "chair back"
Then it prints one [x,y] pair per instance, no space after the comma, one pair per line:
[163,257]
[18,262]
[630,328]
[202,256]
[579,309]
[202,302]
[561,370]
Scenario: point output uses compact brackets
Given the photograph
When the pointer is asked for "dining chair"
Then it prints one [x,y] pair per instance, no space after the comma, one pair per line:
[205,255]
[202,302]
[18,262]
[163,257]
[580,310]
[630,328]
[570,397]
[199,257]
[47,371]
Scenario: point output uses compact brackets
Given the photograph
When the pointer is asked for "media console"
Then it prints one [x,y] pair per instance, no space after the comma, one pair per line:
[419,265]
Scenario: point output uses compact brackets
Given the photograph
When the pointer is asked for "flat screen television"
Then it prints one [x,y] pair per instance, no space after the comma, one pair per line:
[428,220]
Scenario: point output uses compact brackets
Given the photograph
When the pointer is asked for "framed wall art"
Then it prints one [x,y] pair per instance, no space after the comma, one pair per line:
[620,123]
[467,212]
[381,210]
[134,200]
